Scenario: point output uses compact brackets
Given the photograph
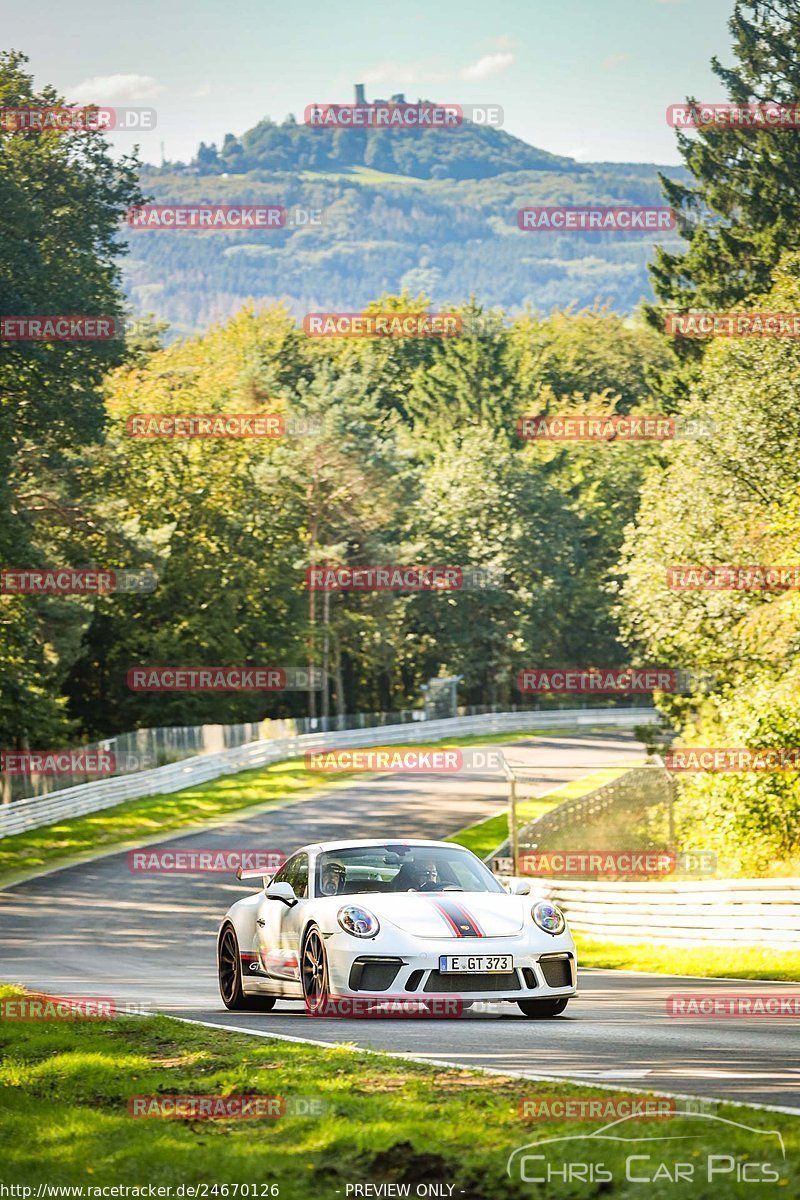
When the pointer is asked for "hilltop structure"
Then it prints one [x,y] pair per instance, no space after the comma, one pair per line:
[361,99]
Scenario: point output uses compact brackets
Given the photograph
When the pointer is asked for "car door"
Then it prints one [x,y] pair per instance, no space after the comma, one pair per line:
[278,929]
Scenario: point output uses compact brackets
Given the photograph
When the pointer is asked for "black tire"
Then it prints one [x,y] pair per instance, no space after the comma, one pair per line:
[229,972]
[314,971]
[543,1008]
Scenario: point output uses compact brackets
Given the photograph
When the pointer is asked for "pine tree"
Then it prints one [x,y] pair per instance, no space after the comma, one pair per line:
[742,210]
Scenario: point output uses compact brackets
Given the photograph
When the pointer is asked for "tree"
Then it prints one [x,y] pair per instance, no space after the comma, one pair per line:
[61,200]
[730,499]
[750,178]
[470,380]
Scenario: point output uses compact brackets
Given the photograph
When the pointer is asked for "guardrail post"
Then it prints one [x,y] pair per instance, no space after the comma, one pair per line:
[513,836]
[670,800]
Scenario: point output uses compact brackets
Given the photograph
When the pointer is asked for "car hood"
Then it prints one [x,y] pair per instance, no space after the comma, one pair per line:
[446,914]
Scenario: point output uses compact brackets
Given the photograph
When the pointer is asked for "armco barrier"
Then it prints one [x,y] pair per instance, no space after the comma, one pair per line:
[104,793]
[688,912]
[709,912]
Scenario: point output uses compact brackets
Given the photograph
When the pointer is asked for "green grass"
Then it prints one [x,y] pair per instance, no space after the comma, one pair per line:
[149,817]
[485,836]
[64,1119]
[746,962]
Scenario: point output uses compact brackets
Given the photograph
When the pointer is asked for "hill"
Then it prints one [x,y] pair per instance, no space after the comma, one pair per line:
[431,211]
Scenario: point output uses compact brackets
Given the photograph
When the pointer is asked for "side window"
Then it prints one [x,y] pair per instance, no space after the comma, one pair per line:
[284,875]
[295,872]
[299,880]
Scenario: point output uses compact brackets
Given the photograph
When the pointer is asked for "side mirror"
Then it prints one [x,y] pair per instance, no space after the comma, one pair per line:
[281,891]
[519,887]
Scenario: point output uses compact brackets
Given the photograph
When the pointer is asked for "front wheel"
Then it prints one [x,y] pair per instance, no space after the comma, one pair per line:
[230,977]
[543,1008]
[314,971]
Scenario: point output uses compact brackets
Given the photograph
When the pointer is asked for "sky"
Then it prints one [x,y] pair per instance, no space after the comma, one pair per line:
[585,78]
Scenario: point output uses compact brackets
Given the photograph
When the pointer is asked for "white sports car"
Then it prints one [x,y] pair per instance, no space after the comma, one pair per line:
[411,920]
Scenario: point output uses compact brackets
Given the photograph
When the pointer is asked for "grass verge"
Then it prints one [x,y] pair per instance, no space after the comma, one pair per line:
[65,1088]
[485,836]
[149,817]
[745,962]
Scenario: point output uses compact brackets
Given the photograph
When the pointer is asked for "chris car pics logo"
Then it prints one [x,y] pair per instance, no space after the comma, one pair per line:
[705,1149]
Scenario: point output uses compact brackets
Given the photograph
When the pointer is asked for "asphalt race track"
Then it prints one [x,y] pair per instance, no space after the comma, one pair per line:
[149,940]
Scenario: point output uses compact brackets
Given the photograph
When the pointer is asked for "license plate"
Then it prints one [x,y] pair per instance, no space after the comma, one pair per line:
[501,964]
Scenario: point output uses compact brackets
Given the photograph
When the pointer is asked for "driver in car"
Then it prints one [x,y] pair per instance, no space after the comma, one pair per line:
[428,877]
[332,878]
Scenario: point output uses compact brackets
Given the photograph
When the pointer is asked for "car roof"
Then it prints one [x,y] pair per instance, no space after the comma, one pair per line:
[356,843]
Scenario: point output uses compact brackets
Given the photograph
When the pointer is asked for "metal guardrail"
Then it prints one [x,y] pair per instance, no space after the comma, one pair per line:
[639,788]
[572,814]
[689,912]
[143,749]
[709,912]
[174,777]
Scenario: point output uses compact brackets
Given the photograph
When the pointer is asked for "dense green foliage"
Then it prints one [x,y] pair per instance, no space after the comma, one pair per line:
[733,498]
[425,468]
[740,209]
[61,198]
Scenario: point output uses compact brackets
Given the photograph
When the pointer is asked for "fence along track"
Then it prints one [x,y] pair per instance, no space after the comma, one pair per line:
[85,798]
[691,912]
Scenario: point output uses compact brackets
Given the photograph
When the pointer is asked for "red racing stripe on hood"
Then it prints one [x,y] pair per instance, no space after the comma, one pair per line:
[457,917]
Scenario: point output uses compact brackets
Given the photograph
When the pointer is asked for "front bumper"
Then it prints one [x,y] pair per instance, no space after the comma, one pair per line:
[542,969]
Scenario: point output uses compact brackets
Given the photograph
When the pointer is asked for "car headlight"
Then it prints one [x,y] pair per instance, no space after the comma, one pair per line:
[358,921]
[548,917]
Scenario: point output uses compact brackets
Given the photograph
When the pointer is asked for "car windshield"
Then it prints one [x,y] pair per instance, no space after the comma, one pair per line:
[354,870]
